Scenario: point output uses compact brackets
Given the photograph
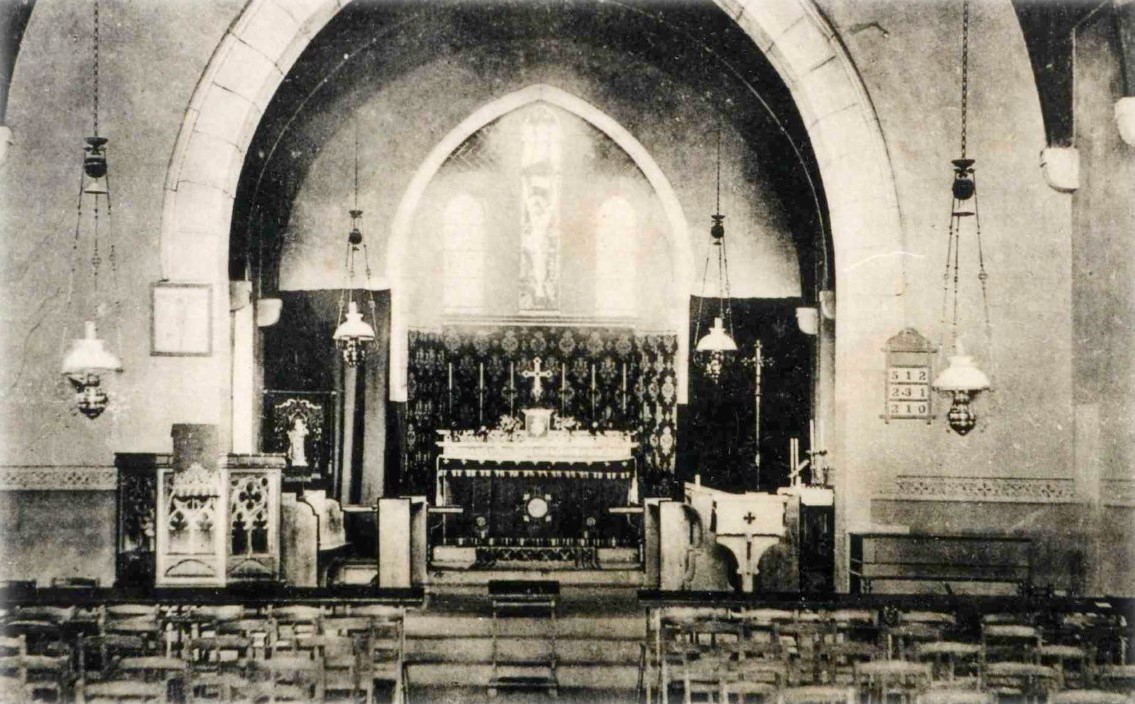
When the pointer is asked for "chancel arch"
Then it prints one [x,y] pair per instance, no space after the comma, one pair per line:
[857,182]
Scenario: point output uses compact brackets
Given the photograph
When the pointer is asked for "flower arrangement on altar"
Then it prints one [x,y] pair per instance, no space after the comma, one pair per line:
[512,429]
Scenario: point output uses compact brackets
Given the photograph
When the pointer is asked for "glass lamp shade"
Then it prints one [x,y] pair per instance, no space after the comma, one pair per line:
[87,359]
[961,375]
[713,348]
[717,340]
[352,335]
[962,380]
[89,355]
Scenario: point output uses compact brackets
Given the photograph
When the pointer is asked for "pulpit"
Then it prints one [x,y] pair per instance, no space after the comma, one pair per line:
[746,524]
[197,517]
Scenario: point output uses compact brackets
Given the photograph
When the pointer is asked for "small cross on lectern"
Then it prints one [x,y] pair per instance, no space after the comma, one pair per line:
[537,375]
[749,518]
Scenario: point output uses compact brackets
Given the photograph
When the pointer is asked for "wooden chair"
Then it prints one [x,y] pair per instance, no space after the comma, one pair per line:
[1009,642]
[258,630]
[13,646]
[47,677]
[341,658]
[1103,633]
[952,663]
[838,660]
[384,655]
[145,627]
[915,627]
[217,667]
[11,689]
[954,696]
[885,681]
[53,614]
[714,632]
[802,639]
[120,612]
[754,679]
[287,679]
[98,655]
[291,622]
[120,690]
[703,678]
[1088,696]
[817,695]
[858,625]
[170,672]
[43,628]
[1117,678]
[1073,664]
[1026,681]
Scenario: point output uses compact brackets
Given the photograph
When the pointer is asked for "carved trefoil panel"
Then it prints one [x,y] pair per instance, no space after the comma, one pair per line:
[254,525]
[192,526]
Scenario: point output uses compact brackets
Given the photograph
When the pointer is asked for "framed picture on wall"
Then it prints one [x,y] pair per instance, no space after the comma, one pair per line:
[181,322]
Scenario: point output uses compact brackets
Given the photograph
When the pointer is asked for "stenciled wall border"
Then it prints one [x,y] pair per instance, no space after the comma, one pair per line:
[58,478]
[1027,490]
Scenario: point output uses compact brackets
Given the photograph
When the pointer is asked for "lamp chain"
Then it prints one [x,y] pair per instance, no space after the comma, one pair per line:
[356,163]
[718,208]
[965,73]
[96,71]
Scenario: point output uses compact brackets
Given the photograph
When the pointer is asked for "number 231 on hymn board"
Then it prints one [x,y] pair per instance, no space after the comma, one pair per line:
[908,377]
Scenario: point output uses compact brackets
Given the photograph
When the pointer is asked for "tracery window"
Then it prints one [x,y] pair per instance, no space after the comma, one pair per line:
[464,255]
[615,258]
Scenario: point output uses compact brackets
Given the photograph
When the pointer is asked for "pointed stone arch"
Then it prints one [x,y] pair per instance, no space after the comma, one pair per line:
[259,49]
[677,232]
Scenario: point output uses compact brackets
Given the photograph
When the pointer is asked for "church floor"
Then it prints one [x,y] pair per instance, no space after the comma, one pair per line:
[479,695]
[598,632]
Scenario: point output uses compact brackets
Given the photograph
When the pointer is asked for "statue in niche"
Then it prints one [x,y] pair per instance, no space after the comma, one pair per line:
[297,455]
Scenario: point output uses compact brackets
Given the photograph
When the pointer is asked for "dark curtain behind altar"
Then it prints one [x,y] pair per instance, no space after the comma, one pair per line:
[302,369]
[718,437]
[466,377]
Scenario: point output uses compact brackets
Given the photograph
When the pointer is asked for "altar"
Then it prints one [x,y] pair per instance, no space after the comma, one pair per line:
[537,491]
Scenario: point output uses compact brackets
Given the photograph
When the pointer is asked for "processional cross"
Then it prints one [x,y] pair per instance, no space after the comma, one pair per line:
[537,375]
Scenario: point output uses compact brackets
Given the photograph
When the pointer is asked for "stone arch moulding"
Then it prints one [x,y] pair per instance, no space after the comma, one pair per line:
[262,44]
[400,230]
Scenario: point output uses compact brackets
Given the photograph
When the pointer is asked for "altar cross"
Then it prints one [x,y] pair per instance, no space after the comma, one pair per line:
[537,375]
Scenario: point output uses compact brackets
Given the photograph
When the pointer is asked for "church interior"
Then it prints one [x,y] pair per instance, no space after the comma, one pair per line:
[603,350]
